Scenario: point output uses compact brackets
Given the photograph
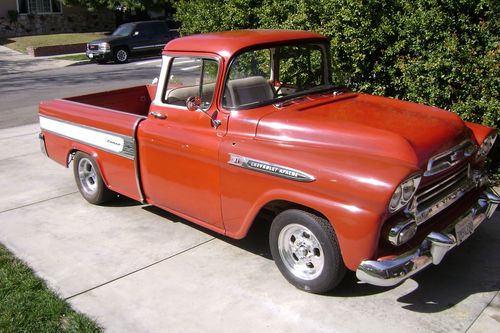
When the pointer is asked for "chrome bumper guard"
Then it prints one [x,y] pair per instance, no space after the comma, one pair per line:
[431,251]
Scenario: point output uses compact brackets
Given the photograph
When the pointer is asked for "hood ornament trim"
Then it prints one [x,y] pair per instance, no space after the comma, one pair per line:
[451,157]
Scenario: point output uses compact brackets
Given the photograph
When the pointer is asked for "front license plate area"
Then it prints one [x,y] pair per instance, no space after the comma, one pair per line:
[91,55]
[464,229]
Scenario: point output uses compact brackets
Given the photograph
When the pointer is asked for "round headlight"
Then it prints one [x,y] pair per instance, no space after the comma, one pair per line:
[408,189]
[396,199]
[404,192]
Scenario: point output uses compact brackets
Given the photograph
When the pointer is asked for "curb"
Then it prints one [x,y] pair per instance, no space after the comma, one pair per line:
[80,62]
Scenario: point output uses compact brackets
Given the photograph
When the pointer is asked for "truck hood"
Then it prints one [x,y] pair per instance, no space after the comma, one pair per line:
[367,124]
[109,39]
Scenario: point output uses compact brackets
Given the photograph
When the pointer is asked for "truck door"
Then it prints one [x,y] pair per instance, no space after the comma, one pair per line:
[178,148]
[142,38]
[162,35]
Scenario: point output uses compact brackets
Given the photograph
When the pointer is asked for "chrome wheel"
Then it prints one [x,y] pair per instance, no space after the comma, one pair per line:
[301,251]
[87,176]
[121,55]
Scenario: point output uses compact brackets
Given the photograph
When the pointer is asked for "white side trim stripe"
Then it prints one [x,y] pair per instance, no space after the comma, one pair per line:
[93,137]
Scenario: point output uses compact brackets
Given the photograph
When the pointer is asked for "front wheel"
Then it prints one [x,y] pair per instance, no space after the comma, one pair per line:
[121,55]
[306,251]
[89,180]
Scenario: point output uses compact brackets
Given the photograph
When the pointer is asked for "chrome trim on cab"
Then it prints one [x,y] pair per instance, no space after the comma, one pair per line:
[269,168]
[436,245]
[137,168]
[445,160]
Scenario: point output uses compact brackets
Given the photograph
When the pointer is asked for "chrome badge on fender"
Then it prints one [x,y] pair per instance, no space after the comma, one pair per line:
[269,168]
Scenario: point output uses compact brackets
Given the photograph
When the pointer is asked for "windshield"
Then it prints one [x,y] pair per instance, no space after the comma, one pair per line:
[123,30]
[269,75]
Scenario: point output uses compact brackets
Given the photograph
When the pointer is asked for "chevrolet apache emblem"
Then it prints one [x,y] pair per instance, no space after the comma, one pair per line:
[269,168]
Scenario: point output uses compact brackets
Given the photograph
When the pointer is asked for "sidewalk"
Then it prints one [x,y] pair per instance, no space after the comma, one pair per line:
[135,268]
[13,62]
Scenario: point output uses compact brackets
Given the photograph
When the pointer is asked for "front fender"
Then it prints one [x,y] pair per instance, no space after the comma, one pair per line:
[351,190]
[357,229]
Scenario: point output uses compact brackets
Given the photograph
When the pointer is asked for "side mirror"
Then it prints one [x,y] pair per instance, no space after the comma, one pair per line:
[135,34]
[193,103]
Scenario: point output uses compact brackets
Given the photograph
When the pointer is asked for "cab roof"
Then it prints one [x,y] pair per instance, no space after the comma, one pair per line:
[227,43]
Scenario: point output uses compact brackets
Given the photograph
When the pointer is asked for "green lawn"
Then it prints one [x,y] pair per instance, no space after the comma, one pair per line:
[21,43]
[27,305]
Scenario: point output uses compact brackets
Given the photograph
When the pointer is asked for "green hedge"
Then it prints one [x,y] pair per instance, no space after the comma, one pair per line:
[443,53]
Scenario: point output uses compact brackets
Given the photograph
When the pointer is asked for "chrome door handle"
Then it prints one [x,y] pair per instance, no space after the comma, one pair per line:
[158,115]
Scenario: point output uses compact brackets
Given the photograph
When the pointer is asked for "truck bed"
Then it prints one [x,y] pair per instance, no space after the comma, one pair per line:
[134,100]
[102,125]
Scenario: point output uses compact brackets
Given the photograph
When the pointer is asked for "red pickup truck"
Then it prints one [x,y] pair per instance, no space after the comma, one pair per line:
[249,122]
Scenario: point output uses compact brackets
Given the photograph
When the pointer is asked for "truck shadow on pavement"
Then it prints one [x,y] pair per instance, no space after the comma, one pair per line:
[254,242]
[473,267]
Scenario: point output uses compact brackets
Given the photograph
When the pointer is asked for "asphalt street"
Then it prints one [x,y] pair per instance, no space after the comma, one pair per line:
[20,93]
[136,268]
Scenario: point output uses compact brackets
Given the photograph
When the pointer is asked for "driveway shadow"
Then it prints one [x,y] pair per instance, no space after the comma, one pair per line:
[473,267]
[255,242]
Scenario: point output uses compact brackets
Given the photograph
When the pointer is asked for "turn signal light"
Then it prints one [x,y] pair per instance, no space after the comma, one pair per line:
[402,233]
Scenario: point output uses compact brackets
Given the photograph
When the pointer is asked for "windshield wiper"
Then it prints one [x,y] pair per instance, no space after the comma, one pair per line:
[336,90]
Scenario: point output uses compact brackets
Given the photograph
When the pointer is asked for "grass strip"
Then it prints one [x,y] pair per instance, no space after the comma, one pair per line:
[27,305]
[74,57]
[21,43]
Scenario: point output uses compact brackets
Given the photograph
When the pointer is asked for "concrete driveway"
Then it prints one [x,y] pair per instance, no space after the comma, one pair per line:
[134,268]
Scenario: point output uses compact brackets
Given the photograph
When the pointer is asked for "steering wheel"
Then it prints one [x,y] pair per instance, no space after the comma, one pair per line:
[301,85]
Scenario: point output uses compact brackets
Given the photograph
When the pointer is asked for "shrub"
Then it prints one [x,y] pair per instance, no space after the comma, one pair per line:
[438,52]
[12,15]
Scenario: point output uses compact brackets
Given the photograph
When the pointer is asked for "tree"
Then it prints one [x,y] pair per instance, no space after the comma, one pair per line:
[139,5]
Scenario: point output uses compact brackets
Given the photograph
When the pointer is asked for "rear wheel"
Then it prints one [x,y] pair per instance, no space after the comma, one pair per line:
[89,180]
[121,55]
[306,251]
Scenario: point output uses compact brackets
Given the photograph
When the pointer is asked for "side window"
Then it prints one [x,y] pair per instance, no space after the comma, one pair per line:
[191,77]
[144,29]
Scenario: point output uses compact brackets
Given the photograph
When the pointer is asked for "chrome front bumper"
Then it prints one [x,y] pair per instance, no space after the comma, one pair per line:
[431,251]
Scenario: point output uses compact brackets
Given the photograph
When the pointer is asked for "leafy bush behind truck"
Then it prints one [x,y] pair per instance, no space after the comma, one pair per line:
[442,53]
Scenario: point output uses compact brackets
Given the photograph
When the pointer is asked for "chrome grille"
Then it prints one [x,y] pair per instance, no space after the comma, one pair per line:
[433,198]
[93,47]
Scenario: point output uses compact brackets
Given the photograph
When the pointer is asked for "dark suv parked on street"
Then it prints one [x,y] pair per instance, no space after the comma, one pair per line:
[130,39]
